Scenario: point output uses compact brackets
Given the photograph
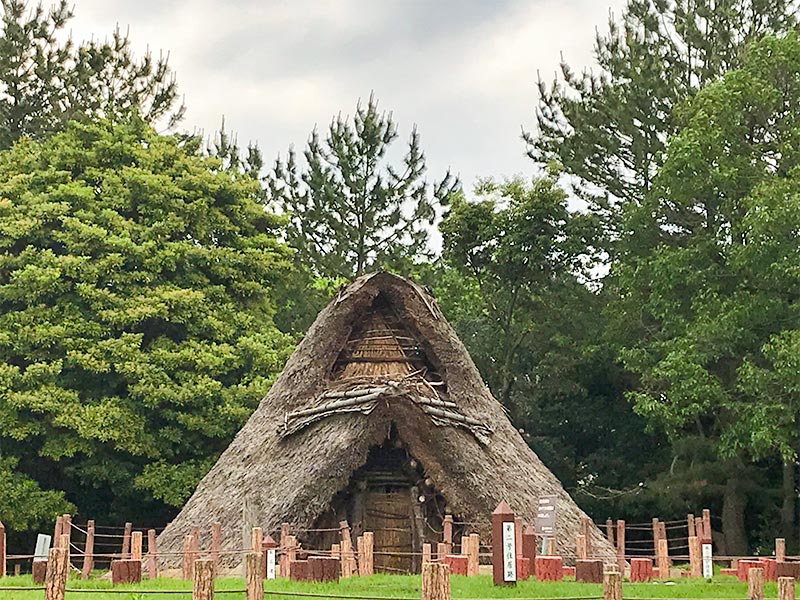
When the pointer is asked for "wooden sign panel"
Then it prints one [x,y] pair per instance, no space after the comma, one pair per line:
[545,523]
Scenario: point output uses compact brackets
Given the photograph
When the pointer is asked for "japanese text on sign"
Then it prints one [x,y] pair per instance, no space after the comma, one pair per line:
[708,569]
[509,552]
[545,523]
[270,563]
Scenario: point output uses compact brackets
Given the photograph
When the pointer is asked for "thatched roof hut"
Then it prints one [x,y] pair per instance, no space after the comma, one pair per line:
[380,417]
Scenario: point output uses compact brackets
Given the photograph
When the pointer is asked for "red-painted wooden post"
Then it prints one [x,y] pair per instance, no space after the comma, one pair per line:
[504,563]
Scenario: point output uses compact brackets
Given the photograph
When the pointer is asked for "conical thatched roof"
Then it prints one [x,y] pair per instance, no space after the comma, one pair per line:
[289,460]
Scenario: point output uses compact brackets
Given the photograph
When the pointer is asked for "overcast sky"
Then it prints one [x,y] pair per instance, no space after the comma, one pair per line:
[464,71]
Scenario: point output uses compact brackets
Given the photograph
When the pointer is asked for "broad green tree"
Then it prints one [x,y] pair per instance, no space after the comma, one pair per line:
[512,281]
[136,330]
[607,127]
[46,79]
[520,245]
[350,207]
[707,277]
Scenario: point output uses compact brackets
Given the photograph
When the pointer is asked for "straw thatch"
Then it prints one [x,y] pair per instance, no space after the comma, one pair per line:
[360,373]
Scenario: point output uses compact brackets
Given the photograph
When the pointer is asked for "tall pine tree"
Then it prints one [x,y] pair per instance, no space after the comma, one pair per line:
[350,209]
[607,128]
[47,80]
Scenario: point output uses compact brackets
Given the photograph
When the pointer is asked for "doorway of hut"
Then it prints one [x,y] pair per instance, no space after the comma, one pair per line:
[391,496]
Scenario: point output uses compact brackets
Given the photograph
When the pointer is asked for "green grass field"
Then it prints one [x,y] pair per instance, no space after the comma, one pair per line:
[403,586]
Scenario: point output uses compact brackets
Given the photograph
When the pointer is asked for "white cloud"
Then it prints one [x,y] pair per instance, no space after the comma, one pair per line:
[464,71]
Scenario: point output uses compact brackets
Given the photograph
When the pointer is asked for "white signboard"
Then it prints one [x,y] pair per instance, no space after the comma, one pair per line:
[708,568]
[509,552]
[545,523]
[270,563]
[42,546]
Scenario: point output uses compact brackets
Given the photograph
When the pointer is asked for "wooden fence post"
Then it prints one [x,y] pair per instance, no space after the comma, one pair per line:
[580,547]
[621,543]
[67,530]
[152,554]
[690,525]
[88,551]
[785,588]
[426,553]
[435,581]
[256,539]
[695,557]
[529,547]
[186,565]
[586,528]
[755,584]
[612,585]
[203,579]
[56,578]
[663,559]
[369,553]
[447,532]
[253,581]
[655,534]
[441,551]
[2,550]
[291,553]
[283,562]
[348,566]
[57,529]
[706,526]
[550,550]
[780,549]
[216,537]
[136,545]
[473,558]
[126,541]
[360,554]
[610,531]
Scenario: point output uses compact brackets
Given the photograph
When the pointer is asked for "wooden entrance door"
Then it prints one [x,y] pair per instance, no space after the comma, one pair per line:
[389,516]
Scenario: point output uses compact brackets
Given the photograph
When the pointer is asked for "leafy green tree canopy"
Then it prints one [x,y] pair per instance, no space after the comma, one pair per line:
[707,277]
[136,329]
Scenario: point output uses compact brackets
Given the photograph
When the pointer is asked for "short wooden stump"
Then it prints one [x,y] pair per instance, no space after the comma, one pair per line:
[549,568]
[590,571]
[39,571]
[743,568]
[324,568]
[458,563]
[126,571]
[299,570]
[523,568]
[641,569]
[769,565]
[786,569]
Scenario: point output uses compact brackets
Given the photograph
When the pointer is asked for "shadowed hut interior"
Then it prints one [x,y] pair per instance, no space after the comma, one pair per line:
[391,496]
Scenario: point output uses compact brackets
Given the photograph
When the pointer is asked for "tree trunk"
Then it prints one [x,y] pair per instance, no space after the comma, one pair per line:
[733,505]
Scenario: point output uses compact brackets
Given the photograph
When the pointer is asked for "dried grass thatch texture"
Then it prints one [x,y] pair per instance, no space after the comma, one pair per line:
[293,479]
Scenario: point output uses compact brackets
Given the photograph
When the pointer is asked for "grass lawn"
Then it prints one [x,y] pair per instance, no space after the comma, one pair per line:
[404,586]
